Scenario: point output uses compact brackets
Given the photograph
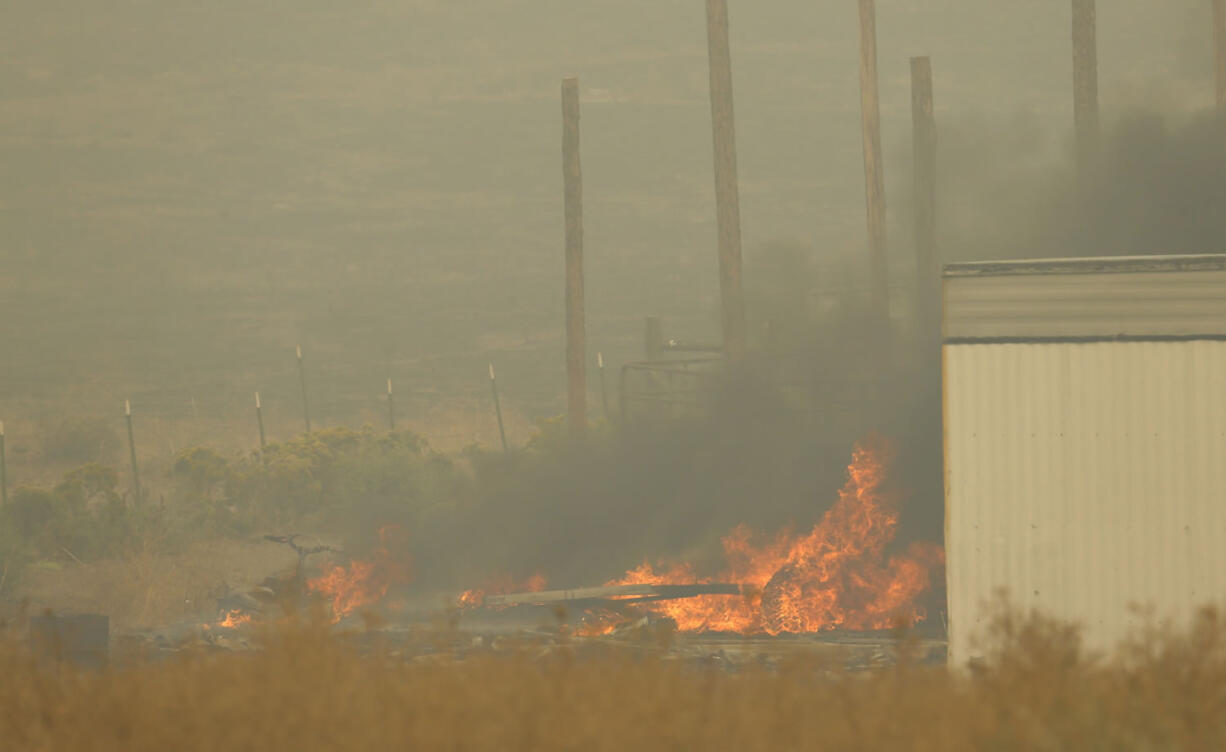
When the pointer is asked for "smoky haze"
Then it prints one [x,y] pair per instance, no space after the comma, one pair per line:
[191,190]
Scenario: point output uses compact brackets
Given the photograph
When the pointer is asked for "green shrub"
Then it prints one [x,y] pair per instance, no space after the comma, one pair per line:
[202,491]
[327,478]
[82,517]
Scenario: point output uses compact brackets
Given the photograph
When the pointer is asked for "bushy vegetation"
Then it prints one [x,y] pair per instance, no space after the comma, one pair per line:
[317,478]
[83,517]
[333,479]
[584,511]
[311,689]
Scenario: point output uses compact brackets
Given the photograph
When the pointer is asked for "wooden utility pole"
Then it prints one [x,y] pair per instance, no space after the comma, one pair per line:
[1219,51]
[1085,82]
[576,347]
[874,180]
[653,338]
[924,148]
[727,194]
[604,394]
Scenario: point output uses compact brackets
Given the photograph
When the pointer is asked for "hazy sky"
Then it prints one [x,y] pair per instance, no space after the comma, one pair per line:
[188,189]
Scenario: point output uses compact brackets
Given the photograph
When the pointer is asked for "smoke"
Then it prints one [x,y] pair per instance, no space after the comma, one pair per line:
[767,446]
[1157,187]
[772,443]
[652,490]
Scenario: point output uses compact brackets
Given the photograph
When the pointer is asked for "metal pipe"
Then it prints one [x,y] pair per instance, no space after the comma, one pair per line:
[502,431]
[306,408]
[136,490]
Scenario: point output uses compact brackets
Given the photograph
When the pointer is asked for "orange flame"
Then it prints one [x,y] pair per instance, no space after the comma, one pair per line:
[364,583]
[235,619]
[835,576]
[501,585]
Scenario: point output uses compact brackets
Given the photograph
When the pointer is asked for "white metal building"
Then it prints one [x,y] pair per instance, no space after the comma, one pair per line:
[1085,440]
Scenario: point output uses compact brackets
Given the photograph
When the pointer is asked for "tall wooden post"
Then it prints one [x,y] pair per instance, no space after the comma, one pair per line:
[1219,51]
[1085,82]
[924,149]
[604,392]
[576,347]
[874,172]
[727,194]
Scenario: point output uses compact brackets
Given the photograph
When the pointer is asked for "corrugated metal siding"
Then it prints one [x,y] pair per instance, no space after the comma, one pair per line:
[1084,478]
[1176,303]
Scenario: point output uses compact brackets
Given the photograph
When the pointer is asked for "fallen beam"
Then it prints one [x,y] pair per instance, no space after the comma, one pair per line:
[618,593]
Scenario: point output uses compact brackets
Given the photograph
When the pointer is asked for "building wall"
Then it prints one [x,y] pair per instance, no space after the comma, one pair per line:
[1084,478]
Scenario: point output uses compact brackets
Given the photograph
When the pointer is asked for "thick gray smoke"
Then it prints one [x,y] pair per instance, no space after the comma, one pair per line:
[1158,187]
[773,448]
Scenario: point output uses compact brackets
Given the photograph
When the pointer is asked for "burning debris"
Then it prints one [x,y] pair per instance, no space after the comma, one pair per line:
[365,582]
[611,595]
[303,545]
[500,586]
[234,619]
[238,608]
[836,576]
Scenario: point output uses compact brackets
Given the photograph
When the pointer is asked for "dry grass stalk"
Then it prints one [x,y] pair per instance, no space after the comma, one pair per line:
[308,689]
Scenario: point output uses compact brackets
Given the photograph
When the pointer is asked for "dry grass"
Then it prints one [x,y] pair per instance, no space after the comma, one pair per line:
[309,690]
[147,590]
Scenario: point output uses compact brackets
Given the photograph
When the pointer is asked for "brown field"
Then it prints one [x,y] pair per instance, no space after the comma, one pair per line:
[310,689]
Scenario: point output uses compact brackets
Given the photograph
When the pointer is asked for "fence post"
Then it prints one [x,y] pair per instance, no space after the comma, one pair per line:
[576,345]
[502,431]
[391,407]
[306,408]
[259,419]
[4,481]
[622,403]
[136,490]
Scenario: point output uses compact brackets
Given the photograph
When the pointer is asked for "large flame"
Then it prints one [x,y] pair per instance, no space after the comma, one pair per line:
[835,576]
[501,586]
[363,583]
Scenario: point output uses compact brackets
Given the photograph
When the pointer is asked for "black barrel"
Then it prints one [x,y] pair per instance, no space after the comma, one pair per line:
[79,639]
